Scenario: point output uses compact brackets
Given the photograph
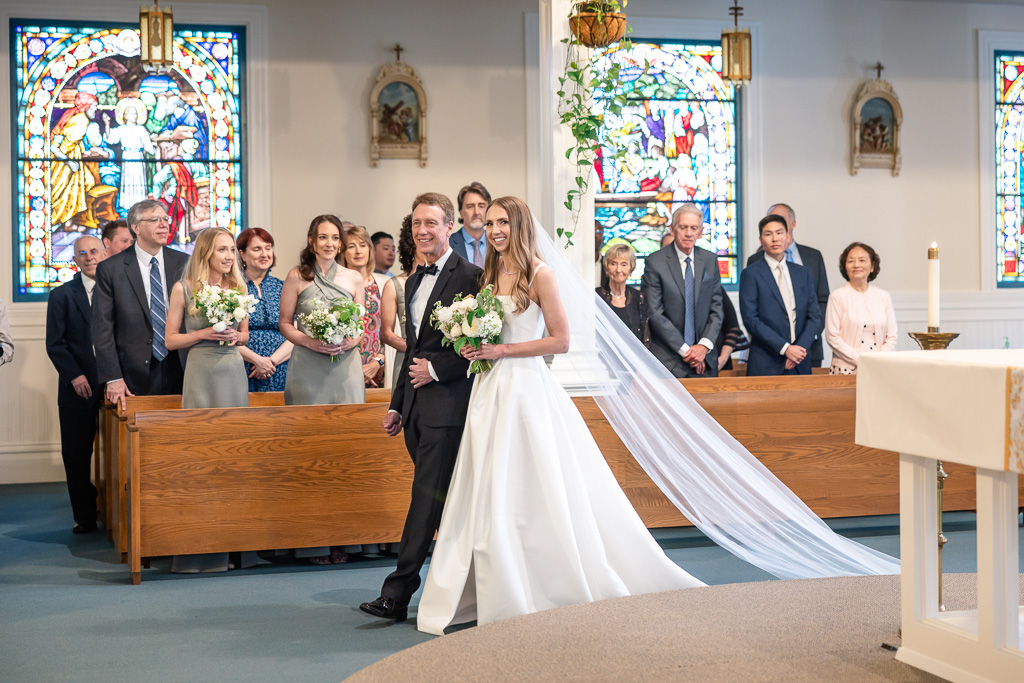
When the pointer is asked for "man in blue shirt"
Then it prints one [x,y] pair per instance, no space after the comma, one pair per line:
[471,241]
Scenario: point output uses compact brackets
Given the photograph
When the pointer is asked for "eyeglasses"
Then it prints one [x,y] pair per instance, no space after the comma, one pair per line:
[166,220]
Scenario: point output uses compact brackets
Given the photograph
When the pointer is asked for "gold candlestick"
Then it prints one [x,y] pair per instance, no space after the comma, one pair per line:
[933,340]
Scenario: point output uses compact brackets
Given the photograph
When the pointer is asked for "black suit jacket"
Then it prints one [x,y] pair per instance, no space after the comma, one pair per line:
[69,339]
[122,331]
[765,317]
[815,265]
[665,290]
[444,402]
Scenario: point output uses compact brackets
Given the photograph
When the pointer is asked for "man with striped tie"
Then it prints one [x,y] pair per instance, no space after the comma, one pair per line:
[129,310]
[684,296]
[471,242]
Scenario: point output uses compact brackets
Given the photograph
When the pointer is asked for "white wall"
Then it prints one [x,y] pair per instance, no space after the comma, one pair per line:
[324,55]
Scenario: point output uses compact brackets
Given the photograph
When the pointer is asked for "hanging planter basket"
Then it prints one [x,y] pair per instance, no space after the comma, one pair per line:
[597,29]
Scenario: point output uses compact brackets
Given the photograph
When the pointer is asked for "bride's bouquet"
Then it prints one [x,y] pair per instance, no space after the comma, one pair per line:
[335,323]
[224,308]
[472,320]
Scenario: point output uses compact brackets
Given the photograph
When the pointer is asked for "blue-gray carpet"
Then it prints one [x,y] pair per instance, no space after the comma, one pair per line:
[68,611]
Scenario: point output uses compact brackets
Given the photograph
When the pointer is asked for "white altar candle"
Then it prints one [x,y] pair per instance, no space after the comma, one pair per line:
[933,288]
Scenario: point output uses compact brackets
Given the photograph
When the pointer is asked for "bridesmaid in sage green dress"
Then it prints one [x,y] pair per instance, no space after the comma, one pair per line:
[214,373]
[312,378]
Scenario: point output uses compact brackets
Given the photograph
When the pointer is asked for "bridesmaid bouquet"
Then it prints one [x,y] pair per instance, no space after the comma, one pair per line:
[224,308]
[333,324]
[471,320]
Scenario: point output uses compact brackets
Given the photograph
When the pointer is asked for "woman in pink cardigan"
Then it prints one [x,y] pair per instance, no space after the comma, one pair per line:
[860,318]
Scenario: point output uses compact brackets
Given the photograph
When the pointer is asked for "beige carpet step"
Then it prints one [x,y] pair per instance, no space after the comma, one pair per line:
[810,630]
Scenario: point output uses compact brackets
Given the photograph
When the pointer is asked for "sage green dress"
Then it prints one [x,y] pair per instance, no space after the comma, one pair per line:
[215,377]
[312,378]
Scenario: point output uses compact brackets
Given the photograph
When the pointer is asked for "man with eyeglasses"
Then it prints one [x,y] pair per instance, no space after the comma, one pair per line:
[130,310]
[69,346]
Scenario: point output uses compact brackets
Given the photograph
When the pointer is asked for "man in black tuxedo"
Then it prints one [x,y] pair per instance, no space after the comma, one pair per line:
[810,258]
[685,298]
[432,400]
[778,306]
[69,346]
[129,310]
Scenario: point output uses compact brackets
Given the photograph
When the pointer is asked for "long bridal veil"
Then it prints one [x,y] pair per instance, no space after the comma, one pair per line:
[713,480]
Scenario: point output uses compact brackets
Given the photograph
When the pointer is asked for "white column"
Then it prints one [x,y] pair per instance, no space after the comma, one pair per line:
[558,173]
[558,176]
[998,610]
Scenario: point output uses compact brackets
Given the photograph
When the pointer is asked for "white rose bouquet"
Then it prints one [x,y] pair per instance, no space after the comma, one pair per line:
[224,308]
[472,320]
[333,324]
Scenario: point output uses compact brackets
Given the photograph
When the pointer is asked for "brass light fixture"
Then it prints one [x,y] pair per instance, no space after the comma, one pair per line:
[736,50]
[156,33]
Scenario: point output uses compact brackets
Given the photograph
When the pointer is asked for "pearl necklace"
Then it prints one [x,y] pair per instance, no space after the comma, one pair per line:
[502,263]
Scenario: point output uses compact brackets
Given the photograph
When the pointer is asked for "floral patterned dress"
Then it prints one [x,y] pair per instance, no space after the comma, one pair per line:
[264,335]
[370,347]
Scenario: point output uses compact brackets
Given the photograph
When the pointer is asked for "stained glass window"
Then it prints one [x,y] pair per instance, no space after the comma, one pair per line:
[680,133]
[95,132]
[1009,168]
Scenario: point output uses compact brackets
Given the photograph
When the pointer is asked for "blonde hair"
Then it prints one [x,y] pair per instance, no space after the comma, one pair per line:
[619,250]
[197,270]
[363,235]
[521,251]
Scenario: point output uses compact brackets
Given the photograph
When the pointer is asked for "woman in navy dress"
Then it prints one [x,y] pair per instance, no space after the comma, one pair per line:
[267,353]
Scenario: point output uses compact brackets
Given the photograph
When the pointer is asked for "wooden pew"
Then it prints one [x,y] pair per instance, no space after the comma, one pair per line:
[117,444]
[260,478]
[303,476]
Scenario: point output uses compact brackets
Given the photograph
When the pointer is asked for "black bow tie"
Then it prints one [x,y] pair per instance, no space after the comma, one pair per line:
[427,270]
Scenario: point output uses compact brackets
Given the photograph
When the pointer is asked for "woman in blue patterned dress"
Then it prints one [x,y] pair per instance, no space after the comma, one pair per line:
[267,353]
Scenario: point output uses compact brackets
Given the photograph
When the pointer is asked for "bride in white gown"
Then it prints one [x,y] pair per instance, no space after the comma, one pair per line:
[534,518]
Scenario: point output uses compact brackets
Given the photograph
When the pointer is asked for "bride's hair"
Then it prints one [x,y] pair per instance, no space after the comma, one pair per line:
[521,251]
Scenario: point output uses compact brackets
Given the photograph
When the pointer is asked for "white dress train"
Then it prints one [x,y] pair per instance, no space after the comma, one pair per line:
[534,517]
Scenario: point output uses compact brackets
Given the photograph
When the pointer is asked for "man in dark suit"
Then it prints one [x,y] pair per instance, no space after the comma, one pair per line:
[810,258]
[431,402]
[778,306]
[471,242]
[129,310]
[69,346]
[684,295]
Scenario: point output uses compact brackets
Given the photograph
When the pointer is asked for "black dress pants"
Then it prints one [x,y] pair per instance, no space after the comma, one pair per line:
[78,423]
[433,451]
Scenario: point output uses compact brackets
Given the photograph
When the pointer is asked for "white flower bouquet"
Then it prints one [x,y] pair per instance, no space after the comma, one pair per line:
[472,320]
[224,308]
[333,324]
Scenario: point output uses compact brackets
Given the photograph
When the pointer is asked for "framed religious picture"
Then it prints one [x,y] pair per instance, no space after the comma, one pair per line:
[875,127]
[398,114]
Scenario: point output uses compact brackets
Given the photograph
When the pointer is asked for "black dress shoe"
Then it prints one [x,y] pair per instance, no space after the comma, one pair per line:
[386,608]
[83,528]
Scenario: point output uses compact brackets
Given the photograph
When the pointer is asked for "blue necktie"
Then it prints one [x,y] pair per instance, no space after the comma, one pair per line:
[689,327]
[789,255]
[157,311]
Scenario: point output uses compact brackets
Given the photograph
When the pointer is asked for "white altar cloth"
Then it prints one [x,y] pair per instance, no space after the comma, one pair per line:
[965,407]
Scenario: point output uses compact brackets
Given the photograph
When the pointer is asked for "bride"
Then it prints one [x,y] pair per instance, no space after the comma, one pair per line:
[534,518]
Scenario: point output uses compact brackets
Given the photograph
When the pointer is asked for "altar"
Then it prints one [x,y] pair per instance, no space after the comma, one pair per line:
[965,407]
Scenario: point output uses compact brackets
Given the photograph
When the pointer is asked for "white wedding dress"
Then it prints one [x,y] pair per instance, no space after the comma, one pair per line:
[534,517]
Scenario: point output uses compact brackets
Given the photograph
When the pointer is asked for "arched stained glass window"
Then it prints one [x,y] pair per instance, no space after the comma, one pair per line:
[95,132]
[1009,168]
[680,133]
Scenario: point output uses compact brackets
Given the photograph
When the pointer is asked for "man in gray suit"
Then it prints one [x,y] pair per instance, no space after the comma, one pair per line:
[129,310]
[684,295]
